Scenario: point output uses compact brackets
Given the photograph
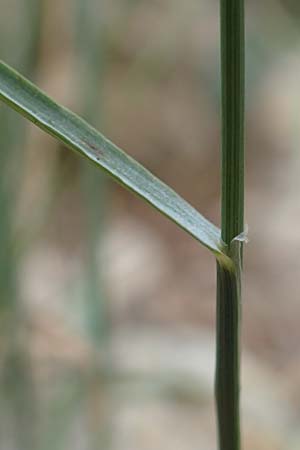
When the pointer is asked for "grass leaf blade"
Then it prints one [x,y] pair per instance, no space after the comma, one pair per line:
[78,135]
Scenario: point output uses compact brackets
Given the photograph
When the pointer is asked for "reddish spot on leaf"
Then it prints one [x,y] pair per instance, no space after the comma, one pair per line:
[96,150]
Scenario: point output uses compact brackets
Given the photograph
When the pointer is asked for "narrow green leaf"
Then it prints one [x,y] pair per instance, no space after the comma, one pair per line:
[78,135]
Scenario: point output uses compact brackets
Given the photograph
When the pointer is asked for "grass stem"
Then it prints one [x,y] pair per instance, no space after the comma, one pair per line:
[227,382]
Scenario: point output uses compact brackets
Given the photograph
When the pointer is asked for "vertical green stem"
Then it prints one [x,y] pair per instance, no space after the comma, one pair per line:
[227,381]
[233,69]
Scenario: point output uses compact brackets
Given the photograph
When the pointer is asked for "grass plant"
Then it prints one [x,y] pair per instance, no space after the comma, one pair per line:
[225,243]
[227,383]
[89,47]
[17,388]
[90,62]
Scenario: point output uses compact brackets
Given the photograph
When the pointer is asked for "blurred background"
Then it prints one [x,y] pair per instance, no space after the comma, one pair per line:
[107,310]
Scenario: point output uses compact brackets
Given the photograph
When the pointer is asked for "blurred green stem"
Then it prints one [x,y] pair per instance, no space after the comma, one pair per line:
[227,383]
[17,390]
[90,70]
[90,67]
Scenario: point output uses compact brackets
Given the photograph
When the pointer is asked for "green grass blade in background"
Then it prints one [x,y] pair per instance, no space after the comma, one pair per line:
[19,402]
[88,70]
[89,45]
[28,100]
